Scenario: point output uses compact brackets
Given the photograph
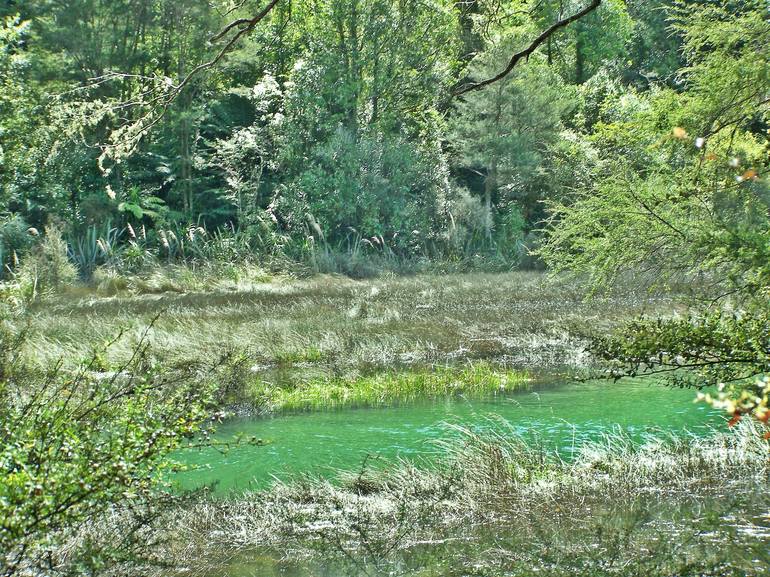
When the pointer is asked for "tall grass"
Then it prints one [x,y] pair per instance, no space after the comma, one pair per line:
[668,507]
[355,256]
[336,327]
[384,388]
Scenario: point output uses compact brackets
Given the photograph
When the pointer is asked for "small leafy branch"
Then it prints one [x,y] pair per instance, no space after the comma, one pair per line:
[78,444]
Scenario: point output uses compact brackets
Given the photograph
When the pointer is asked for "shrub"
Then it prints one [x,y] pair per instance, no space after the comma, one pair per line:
[78,444]
[94,248]
[376,185]
[16,239]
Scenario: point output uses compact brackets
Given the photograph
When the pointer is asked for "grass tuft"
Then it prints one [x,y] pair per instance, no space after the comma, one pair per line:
[669,507]
[384,388]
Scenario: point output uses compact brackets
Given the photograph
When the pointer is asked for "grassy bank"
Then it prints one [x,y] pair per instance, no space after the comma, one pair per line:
[489,505]
[383,388]
[494,505]
[332,341]
[338,326]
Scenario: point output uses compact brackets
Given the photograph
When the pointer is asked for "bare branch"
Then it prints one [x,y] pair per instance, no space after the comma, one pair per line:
[524,54]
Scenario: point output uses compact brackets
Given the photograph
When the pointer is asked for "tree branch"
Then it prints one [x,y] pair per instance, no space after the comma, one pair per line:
[163,92]
[243,26]
[530,49]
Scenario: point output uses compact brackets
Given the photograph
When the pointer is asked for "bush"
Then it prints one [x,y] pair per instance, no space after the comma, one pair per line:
[94,248]
[16,239]
[78,444]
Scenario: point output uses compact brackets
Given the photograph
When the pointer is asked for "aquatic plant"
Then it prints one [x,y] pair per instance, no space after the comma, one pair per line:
[386,387]
[618,509]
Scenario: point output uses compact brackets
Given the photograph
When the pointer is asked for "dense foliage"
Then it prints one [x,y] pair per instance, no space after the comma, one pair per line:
[683,195]
[82,442]
[330,129]
[334,134]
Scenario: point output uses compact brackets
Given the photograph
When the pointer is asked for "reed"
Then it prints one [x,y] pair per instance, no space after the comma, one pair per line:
[494,504]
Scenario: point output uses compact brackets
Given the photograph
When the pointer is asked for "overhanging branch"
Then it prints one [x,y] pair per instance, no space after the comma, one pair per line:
[242,27]
[163,91]
[524,54]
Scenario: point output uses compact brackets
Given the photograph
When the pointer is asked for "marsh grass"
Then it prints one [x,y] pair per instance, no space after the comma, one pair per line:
[332,341]
[496,505]
[486,503]
[180,279]
[385,388]
[335,325]
[492,504]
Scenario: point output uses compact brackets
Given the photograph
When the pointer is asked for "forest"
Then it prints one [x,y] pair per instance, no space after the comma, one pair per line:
[379,288]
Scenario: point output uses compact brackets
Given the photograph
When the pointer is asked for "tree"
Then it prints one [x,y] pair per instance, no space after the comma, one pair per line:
[684,195]
[18,99]
[505,134]
[349,138]
[525,53]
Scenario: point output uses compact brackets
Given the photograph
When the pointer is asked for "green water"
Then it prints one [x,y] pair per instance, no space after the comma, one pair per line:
[562,415]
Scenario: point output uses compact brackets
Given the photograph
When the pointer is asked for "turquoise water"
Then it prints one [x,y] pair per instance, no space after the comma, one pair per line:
[562,415]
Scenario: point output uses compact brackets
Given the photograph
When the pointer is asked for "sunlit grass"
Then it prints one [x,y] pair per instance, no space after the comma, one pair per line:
[385,388]
[517,319]
[331,342]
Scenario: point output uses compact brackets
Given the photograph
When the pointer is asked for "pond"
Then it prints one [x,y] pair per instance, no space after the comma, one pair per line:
[562,414]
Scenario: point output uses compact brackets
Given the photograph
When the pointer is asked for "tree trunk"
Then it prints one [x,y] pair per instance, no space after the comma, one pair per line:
[490,184]
[185,102]
[355,67]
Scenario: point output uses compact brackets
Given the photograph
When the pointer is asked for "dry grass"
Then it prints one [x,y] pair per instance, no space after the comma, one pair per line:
[670,507]
[334,324]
